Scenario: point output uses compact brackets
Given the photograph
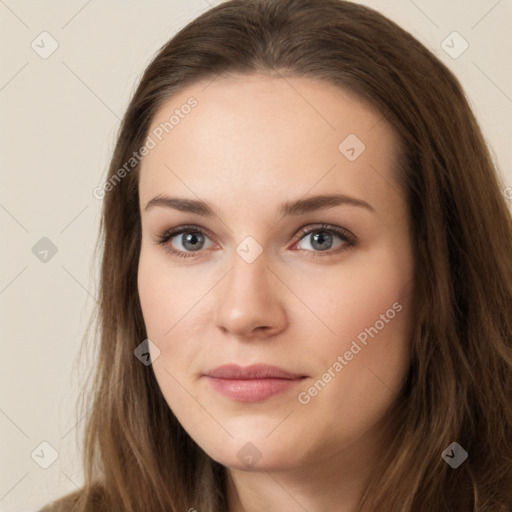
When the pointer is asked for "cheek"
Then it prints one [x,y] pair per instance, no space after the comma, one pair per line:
[173,301]
[330,309]
[167,295]
[155,300]
[371,293]
[367,313]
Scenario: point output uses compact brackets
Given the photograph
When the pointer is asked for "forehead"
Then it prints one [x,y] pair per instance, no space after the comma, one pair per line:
[270,135]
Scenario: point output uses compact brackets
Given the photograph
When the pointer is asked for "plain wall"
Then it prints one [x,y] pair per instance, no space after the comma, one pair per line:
[58,119]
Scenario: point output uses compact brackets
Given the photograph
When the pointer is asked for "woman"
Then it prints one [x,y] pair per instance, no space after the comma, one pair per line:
[243,364]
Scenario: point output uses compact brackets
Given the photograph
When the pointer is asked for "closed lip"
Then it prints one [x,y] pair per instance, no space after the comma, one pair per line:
[255,371]
[253,383]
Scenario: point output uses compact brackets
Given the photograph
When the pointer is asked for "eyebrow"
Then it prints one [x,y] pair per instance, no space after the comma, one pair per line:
[289,208]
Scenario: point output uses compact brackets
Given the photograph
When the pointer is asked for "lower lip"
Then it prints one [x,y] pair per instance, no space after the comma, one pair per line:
[252,390]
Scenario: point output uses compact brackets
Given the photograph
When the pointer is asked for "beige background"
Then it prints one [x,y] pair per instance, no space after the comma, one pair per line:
[59,118]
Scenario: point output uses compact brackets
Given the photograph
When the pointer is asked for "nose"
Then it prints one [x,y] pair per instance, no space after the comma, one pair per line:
[249,303]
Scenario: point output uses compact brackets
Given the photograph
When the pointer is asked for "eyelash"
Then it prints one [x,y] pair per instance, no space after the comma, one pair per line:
[345,235]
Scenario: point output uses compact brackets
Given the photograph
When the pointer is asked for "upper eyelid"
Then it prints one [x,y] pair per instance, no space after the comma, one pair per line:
[301,232]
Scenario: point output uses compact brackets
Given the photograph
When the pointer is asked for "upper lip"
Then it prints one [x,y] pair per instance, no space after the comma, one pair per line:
[255,371]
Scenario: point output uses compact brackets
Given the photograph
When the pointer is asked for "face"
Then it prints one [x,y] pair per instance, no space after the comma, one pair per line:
[284,241]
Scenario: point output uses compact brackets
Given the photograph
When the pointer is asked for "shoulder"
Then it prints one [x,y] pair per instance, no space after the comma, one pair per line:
[67,503]
[80,501]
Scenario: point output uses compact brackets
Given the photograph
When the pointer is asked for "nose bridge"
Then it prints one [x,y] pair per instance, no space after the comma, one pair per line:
[249,265]
[247,299]
[248,277]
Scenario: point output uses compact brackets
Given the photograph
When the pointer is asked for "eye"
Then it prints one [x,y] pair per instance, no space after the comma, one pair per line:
[321,239]
[192,242]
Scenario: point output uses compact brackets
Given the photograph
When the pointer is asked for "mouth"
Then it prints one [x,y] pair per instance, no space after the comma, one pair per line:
[252,383]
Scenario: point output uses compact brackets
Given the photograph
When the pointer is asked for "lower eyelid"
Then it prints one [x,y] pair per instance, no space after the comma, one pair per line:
[165,239]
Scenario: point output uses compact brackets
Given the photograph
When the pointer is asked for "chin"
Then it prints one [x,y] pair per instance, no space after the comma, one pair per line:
[255,453]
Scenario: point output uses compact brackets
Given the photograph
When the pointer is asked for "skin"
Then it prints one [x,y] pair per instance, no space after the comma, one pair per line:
[252,143]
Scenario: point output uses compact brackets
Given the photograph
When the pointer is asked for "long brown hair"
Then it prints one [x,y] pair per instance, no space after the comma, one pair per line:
[459,387]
